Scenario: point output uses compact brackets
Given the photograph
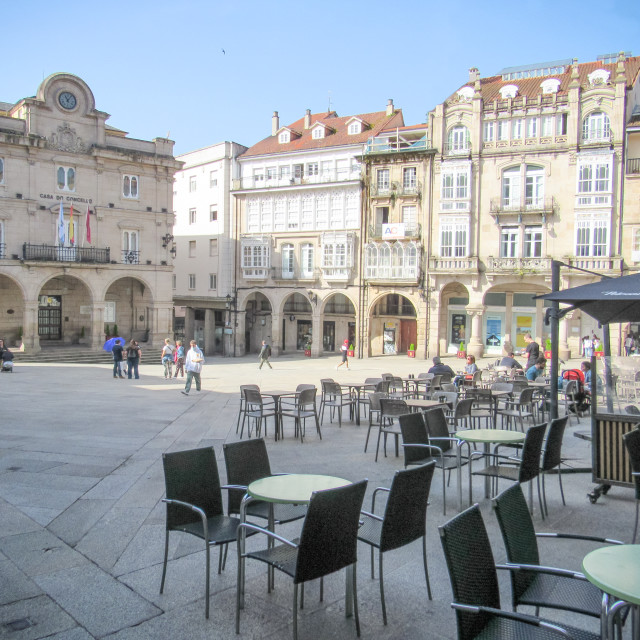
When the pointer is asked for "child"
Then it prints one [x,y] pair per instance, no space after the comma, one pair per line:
[179,358]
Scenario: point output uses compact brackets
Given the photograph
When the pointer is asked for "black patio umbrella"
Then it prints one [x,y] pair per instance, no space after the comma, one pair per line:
[609,300]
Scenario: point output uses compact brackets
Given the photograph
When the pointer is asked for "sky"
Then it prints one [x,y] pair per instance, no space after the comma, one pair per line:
[201,72]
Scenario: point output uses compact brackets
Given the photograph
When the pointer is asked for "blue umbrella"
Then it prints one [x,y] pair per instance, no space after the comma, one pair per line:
[110,343]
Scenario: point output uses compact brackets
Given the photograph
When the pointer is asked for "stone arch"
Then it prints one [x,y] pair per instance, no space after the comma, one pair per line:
[12,310]
[297,322]
[129,303]
[393,324]
[339,320]
[259,316]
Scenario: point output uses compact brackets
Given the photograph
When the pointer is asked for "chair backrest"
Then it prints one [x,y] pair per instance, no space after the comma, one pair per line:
[392,407]
[481,397]
[386,376]
[192,476]
[435,381]
[374,400]
[631,409]
[450,397]
[519,536]
[414,431]
[382,386]
[426,376]
[448,386]
[632,442]
[531,449]
[307,395]
[437,427]
[445,377]
[332,388]
[463,408]
[526,396]
[246,461]
[372,380]
[502,386]
[328,541]
[244,387]
[253,397]
[396,383]
[405,515]
[471,566]
[302,387]
[552,455]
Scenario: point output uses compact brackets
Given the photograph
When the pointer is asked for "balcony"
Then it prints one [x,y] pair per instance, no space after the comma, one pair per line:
[457,149]
[525,206]
[280,274]
[468,264]
[384,190]
[410,231]
[277,182]
[411,189]
[396,145]
[596,136]
[517,266]
[55,253]
[603,263]
[337,274]
[461,205]
[130,257]
[633,166]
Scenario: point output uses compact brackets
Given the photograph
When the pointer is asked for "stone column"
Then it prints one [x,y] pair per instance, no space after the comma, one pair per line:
[276,333]
[210,334]
[189,324]
[96,339]
[238,323]
[564,352]
[316,332]
[475,346]
[30,337]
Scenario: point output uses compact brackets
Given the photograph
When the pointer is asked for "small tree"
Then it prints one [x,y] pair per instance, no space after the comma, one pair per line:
[107,332]
[115,329]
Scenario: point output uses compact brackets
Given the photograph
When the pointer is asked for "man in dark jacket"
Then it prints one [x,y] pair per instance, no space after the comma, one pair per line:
[439,368]
[265,354]
[117,359]
[510,362]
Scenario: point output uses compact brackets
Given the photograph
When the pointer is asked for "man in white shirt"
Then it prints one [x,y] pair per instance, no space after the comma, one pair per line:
[193,366]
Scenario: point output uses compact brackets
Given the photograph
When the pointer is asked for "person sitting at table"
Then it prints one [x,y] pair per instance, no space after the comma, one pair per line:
[537,369]
[469,369]
[439,368]
[510,362]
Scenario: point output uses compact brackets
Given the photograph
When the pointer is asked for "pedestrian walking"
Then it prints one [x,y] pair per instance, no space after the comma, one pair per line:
[117,351]
[133,359]
[178,356]
[344,349]
[167,359]
[628,344]
[265,354]
[532,351]
[193,365]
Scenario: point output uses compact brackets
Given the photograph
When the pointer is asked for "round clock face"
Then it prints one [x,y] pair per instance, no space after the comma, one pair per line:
[67,100]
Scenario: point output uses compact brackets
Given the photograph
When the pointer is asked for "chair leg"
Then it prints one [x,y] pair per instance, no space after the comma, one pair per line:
[295,612]
[635,526]
[373,577]
[166,554]
[560,483]
[318,425]
[378,445]
[426,568]
[539,496]
[355,601]
[381,572]
[544,493]
[208,571]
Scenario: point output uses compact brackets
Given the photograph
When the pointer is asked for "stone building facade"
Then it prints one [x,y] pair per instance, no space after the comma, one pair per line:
[86,220]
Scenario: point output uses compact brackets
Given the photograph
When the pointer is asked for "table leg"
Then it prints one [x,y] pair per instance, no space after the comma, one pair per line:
[487,479]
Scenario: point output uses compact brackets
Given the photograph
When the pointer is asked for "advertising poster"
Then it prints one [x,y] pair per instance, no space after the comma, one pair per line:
[494,332]
[524,325]
[458,328]
[389,345]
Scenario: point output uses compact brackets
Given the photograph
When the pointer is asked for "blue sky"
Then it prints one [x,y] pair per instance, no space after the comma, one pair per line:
[158,67]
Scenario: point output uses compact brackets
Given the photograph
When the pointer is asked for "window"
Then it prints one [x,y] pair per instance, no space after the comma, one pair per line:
[503,129]
[213,246]
[174,281]
[635,246]
[458,140]
[130,186]
[561,124]
[509,242]
[213,212]
[285,172]
[453,238]
[213,179]
[192,184]
[317,133]
[517,129]
[66,178]
[410,219]
[192,248]
[284,137]
[547,126]
[306,260]
[534,187]
[312,168]
[455,187]
[596,127]
[382,179]
[355,128]
[594,180]
[532,242]
[409,178]
[592,236]
[512,187]
[1,170]
[192,216]
[287,260]
[391,261]
[192,281]
[272,173]
[489,131]
[258,176]
[337,255]
[533,125]
[255,257]
[213,281]
[130,244]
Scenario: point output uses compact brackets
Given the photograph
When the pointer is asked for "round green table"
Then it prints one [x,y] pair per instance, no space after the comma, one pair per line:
[294,488]
[616,570]
[487,437]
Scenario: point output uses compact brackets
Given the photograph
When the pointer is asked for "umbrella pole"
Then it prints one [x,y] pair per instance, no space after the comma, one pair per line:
[608,378]
[554,326]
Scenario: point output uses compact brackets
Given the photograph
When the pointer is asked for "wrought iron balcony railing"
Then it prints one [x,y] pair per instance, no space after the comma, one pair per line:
[54,253]
[130,257]
[633,165]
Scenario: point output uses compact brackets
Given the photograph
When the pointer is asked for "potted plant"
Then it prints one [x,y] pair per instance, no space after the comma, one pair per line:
[107,332]
[350,352]
[462,352]
[307,348]
[412,350]
[547,349]
[115,330]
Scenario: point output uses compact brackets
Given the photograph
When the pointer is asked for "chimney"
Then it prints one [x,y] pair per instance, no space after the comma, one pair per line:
[307,119]
[474,74]
[389,106]
[275,123]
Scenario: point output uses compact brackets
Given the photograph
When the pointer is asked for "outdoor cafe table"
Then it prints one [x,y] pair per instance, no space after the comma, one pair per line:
[295,488]
[423,405]
[277,401]
[485,437]
[358,388]
[616,570]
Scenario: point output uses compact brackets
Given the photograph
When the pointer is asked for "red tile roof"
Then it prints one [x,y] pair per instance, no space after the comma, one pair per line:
[530,87]
[378,120]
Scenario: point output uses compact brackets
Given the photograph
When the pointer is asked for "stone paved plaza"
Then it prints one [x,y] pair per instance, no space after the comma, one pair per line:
[82,522]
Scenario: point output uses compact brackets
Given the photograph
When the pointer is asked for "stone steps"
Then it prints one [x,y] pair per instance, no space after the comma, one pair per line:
[80,355]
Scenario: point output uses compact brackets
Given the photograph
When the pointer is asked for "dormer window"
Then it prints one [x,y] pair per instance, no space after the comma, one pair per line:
[355,128]
[509,91]
[284,137]
[550,86]
[465,94]
[599,76]
[318,133]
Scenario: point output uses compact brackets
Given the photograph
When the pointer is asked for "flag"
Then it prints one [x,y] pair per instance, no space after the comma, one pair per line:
[72,235]
[88,227]
[61,225]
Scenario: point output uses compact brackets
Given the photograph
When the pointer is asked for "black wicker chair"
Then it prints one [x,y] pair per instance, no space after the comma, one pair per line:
[194,505]
[258,409]
[242,411]
[552,456]
[328,542]
[404,520]
[374,413]
[247,461]
[301,407]
[474,583]
[632,442]
[524,469]
[532,584]
[390,409]
[336,398]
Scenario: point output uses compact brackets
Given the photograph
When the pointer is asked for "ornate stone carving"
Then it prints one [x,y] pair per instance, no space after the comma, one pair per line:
[66,139]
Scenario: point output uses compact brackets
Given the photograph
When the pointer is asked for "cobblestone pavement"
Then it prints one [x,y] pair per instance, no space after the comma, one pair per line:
[82,522]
